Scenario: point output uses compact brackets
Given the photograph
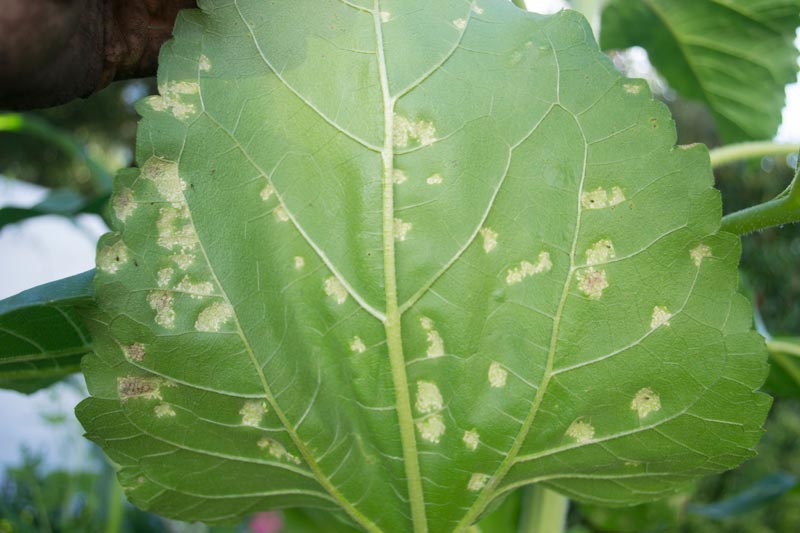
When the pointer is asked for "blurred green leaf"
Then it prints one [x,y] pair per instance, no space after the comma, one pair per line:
[784,375]
[762,492]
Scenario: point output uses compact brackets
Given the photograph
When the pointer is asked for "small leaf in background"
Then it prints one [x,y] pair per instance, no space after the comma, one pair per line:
[737,56]
[762,492]
[784,375]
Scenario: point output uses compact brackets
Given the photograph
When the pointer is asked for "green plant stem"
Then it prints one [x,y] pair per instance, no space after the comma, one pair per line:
[114,509]
[785,347]
[750,150]
[543,511]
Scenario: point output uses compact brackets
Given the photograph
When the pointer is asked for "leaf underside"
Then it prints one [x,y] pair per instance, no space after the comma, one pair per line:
[395,261]
[736,56]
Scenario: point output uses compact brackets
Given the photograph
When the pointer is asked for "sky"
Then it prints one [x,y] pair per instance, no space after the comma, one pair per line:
[49,248]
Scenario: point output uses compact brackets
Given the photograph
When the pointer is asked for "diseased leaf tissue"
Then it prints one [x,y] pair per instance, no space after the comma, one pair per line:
[397,259]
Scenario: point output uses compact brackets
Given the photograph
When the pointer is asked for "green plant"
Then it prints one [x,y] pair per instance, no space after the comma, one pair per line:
[398,261]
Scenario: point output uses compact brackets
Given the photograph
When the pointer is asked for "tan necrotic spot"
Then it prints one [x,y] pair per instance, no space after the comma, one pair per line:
[431,428]
[277,450]
[592,282]
[661,316]
[124,204]
[162,303]
[429,399]
[385,16]
[163,409]
[435,341]
[111,257]
[645,402]
[134,352]
[478,482]
[357,345]
[174,229]
[398,176]
[213,317]
[267,192]
[527,269]
[164,276]
[141,387]
[401,229]
[471,439]
[489,237]
[460,23]
[497,375]
[434,179]
[204,63]
[183,259]
[281,215]
[632,88]
[299,262]
[164,174]
[700,252]
[477,9]
[405,130]
[601,198]
[600,252]
[195,290]
[336,290]
[253,412]
[173,98]
[581,431]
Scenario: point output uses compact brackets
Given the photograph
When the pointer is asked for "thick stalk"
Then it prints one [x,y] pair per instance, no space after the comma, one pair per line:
[543,511]
[786,347]
[750,150]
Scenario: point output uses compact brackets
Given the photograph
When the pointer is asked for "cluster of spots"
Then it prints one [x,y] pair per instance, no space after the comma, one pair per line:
[405,130]
[134,352]
[277,450]
[645,402]
[489,239]
[213,317]
[335,289]
[600,252]
[700,252]
[204,63]
[601,198]
[141,387]
[581,431]
[385,16]
[471,439]
[497,375]
[253,412]
[172,98]
[632,88]
[435,342]
[401,229]
[460,23]
[174,229]
[527,269]
[281,215]
[478,482]
[109,258]
[592,282]
[661,316]
[434,179]
[357,345]
[429,403]
[162,303]
[164,175]
[299,262]
[164,409]
[267,192]
[164,276]
[195,290]
[124,204]
[398,176]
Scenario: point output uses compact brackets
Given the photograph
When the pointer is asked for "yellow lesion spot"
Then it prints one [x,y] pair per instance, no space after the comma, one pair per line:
[385,16]
[164,276]
[592,282]
[581,431]
[401,229]
[429,399]
[195,290]
[183,259]
[112,256]
[435,341]
[134,352]
[357,345]
[632,88]
[164,174]
[489,239]
[141,387]
[431,428]
[460,23]
[600,252]
[700,252]
[277,450]
[213,317]
[173,98]
[163,409]
[281,215]
[267,192]
[405,130]
[124,204]
[478,482]
[336,290]
[204,63]
[174,229]
[471,439]
[434,179]
[299,262]
[661,316]
[497,375]
[477,9]
[601,198]
[253,412]
[527,269]
[645,402]
[162,303]
[398,176]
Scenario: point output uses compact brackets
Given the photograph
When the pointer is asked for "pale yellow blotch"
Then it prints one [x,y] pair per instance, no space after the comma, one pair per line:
[134,352]
[645,402]
[213,317]
[471,439]
[401,229]
[478,482]
[280,214]
[527,269]
[700,252]
[141,387]
[357,345]
[173,96]
[336,290]
[601,198]
[434,179]
[204,64]
[581,431]
[497,375]
[431,428]
[164,174]
[460,23]
[661,316]
[195,290]
[174,230]
[435,341]
[183,259]
[385,16]
[398,176]
[163,409]
[267,192]
[162,303]
[632,88]
[600,252]
[405,130]
[124,204]
[299,262]
[164,276]
[592,282]
[253,412]
[477,9]
[489,239]
[429,399]
[111,257]
[277,450]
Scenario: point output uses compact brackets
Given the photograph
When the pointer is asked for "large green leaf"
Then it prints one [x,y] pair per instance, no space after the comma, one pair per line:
[734,55]
[398,260]
[42,338]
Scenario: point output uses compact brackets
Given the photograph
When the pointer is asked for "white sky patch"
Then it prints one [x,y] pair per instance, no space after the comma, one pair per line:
[581,431]
[497,375]
[336,290]
[645,402]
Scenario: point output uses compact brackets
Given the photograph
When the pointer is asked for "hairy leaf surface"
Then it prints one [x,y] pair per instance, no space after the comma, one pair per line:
[399,259]
[736,56]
